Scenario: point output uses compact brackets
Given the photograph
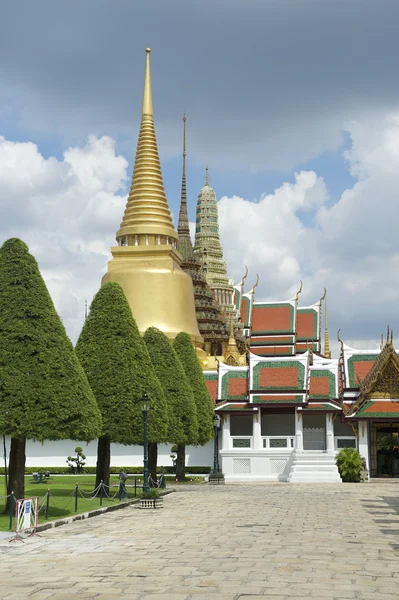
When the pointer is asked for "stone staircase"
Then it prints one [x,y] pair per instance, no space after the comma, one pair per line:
[314,467]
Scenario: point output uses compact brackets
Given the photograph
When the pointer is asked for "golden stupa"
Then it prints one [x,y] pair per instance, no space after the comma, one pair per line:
[146,262]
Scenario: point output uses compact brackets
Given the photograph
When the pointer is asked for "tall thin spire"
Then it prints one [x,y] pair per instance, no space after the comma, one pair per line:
[147,211]
[327,352]
[185,245]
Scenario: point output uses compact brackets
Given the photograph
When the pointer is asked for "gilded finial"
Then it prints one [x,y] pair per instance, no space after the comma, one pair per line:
[391,336]
[257,282]
[147,96]
[327,351]
[245,276]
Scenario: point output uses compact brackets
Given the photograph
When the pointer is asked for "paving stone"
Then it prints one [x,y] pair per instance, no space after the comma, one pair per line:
[274,540]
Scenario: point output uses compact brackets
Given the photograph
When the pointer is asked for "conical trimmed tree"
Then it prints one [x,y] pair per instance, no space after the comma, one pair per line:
[108,349]
[183,424]
[44,392]
[192,368]
[119,367]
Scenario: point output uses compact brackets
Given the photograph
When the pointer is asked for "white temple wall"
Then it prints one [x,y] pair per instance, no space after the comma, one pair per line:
[54,454]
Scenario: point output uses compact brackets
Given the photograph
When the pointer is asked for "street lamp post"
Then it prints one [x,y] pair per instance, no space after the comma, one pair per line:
[216,476]
[145,407]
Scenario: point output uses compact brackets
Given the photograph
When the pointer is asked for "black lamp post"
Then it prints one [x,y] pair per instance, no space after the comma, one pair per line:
[145,407]
[216,476]
[216,427]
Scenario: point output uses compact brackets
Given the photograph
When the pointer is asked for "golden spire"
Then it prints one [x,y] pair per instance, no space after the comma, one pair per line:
[327,352]
[147,212]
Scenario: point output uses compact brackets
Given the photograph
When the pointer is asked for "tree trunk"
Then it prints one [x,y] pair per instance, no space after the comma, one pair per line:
[181,463]
[103,460]
[16,470]
[152,460]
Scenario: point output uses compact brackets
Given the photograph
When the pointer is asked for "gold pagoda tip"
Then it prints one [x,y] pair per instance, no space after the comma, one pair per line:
[147,96]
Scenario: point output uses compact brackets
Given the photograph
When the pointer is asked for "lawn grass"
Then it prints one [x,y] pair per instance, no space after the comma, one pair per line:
[62,490]
[62,500]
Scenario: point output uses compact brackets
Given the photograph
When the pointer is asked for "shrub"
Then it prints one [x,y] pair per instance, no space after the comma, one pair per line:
[349,463]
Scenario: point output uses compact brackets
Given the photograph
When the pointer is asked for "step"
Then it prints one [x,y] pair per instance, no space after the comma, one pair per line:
[314,478]
[313,468]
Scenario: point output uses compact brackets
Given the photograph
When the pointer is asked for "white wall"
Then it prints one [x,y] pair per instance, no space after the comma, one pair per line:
[54,454]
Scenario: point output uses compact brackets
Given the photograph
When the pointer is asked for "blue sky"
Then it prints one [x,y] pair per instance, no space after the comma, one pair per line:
[272,89]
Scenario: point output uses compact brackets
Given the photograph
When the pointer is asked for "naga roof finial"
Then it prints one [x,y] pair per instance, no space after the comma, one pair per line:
[299,291]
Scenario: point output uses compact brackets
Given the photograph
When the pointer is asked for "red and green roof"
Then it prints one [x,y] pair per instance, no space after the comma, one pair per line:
[279,375]
[235,385]
[322,384]
[273,318]
[211,380]
[359,366]
[273,350]
[320,406]
[307,324]
[383,409]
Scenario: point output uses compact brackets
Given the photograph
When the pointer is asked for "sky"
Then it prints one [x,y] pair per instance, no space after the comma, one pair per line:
[293,104]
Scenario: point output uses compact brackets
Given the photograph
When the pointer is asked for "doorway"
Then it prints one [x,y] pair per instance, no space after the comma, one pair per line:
[314,432]
[384,449]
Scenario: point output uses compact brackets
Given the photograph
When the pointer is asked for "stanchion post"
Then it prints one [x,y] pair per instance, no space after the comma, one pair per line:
[76,497]
[47,503]
[101,492]
[12,509]
[135,486]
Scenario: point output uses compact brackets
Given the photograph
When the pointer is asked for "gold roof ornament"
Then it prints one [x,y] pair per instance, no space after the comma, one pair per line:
[327,351]
[147,210]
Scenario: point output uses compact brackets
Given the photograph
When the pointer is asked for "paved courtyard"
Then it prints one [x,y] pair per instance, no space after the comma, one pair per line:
[278,541]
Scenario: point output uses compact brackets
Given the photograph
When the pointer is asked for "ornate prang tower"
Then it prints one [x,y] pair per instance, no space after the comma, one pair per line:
[210,323]
[208,250]
[146,262]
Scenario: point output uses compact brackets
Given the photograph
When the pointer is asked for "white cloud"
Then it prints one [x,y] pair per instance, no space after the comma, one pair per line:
[352,247]
[67,212]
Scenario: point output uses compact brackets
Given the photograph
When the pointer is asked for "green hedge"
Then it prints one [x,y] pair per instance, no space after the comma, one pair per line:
[114,470]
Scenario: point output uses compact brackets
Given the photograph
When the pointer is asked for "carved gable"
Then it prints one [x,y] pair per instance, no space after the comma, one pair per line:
[386,382]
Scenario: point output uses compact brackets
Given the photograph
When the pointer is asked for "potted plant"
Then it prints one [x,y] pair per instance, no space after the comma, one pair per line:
[350,464]
[151,499]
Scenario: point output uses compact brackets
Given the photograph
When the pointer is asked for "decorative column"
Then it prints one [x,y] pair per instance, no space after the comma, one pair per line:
[364,442]
[256,431]
[226,440]
[330,432]
[298,431]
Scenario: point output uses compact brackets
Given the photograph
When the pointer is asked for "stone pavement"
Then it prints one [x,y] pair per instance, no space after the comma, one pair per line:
[276,541]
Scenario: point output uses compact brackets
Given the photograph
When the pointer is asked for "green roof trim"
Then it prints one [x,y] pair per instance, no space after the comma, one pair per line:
[259,400]
[320,406]
[211,376]
[236,408]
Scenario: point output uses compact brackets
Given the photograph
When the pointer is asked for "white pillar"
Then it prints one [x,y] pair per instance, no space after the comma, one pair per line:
[298,431]
[364,441]
[256,431]
[226,440]
[330,432]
